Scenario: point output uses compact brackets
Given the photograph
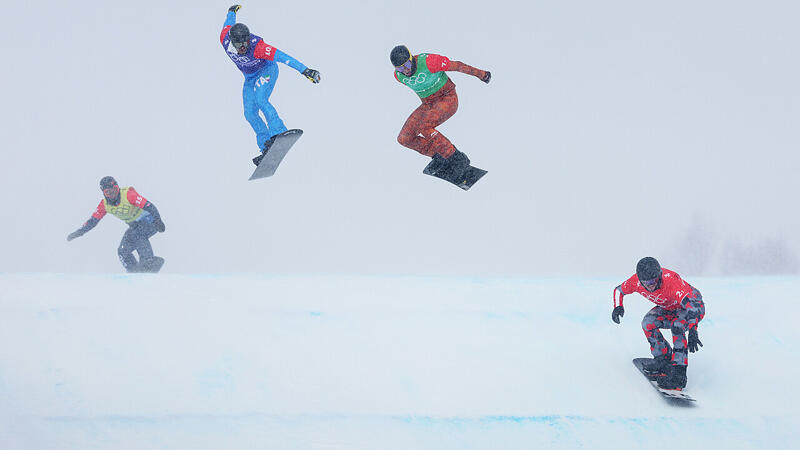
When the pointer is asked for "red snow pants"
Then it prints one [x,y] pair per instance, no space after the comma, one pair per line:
[419,132]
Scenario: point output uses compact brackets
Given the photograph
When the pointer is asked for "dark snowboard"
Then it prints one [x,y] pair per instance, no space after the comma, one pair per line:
[283,142]
[470,176]
[674,396]
[149,265]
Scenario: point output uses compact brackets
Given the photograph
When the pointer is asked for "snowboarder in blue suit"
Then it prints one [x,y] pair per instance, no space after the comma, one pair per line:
[257,61]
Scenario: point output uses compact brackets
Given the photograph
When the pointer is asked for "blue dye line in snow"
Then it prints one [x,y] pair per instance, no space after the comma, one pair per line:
[552,419]
[409,419]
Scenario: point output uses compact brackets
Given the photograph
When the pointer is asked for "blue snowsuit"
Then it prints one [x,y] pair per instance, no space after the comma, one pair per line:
[260,75]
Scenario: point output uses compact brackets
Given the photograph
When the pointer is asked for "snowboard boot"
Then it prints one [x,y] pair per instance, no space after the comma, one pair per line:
[457,164]
[675,379]
[436,164]
[264,149]
[147,265]
[152,264]
[450,169]
[136,268]
[658,366]
[267,144]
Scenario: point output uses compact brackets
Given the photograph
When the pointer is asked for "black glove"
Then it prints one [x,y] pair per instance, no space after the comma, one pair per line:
[694,341]
[74,235]
[486,78]
[618,312]
[159,225]
[312,75]
[235,8]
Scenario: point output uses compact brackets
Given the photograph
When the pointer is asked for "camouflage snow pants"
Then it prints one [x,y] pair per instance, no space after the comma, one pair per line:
[419,132]
[679,322]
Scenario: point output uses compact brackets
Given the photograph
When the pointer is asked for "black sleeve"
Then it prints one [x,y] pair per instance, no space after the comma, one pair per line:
[151,208]
[91,223]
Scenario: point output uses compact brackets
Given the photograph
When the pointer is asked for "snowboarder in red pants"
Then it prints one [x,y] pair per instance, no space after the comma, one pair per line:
[679,307]
[425,75]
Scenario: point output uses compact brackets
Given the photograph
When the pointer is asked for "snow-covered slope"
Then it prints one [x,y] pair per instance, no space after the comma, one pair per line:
[205,362]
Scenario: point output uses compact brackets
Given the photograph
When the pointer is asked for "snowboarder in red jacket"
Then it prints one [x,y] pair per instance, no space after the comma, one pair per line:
[425,75]
[679,307]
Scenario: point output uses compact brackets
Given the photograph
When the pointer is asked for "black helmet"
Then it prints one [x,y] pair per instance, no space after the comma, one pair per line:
[110,189]
[400,55]
[239,34]
[107,182]
[648,269]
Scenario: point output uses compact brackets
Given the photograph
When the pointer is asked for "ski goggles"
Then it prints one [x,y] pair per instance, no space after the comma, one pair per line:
[649,284]
[406,67]
[111,192]
[239,45]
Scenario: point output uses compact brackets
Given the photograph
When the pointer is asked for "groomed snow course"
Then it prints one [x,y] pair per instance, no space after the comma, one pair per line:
[338,362]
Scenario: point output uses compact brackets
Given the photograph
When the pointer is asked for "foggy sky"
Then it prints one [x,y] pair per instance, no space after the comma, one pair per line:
[611,131]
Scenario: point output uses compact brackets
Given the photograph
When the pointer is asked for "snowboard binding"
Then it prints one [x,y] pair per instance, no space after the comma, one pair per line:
[456,170]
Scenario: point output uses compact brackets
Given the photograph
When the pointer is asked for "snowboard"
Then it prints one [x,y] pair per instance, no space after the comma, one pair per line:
[283,142]
[470,176]
[149,265]
[672,395]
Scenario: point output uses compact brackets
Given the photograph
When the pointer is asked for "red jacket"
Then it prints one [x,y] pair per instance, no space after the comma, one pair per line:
[668,295]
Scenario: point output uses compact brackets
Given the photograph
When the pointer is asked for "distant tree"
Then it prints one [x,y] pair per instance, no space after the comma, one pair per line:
[771,256]
[694,250]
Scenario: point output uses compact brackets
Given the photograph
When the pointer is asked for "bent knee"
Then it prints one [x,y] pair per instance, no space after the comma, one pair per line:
[404,139]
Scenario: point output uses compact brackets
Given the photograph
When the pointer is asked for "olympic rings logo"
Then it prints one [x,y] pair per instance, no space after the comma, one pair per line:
[416,79]
[658,299]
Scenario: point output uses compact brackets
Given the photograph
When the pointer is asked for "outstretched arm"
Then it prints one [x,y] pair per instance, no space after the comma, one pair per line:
[438,63]
[266,51]
[289,61]
[230,20]
[91,223]
[482,75]
[98,214]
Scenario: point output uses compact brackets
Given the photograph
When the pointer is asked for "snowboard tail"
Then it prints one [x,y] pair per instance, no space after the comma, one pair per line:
[674,396]
[274,155]
[470,177]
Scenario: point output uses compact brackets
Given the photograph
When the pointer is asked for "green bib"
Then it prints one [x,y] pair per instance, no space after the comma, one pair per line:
[125,210]
[423,82]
